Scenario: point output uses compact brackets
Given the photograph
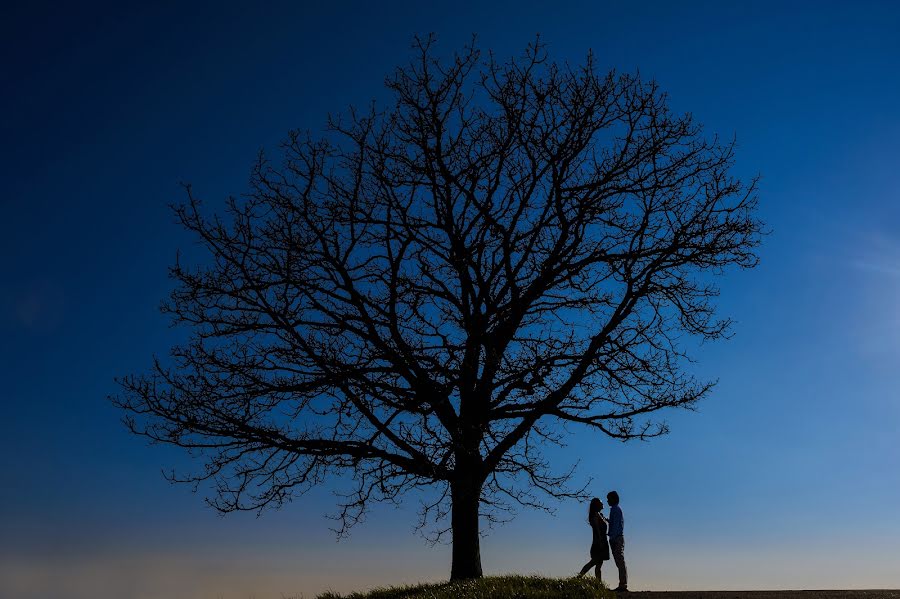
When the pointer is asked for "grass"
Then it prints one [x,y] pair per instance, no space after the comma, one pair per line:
[492,587]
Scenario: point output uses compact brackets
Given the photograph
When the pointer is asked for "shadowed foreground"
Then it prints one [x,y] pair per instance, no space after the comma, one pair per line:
[870,594]
[534,587]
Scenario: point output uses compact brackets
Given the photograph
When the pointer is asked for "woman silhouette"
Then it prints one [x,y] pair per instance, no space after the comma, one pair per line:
[600,547]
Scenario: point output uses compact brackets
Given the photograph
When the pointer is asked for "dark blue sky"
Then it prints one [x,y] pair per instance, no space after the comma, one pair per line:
[105,109]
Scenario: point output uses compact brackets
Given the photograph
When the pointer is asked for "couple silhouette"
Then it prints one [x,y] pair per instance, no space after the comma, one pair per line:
[614,528]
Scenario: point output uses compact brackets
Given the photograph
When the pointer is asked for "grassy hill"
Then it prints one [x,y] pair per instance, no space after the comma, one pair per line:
[493,587]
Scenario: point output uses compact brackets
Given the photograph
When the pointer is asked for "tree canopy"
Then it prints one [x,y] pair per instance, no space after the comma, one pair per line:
[421,295]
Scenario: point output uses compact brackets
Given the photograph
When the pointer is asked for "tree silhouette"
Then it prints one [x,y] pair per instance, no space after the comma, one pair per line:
[423,295]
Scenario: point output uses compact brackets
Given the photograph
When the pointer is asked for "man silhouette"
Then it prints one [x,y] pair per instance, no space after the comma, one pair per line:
[617,538]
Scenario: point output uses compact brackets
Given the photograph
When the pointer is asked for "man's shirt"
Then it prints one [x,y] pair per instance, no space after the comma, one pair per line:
[616,522]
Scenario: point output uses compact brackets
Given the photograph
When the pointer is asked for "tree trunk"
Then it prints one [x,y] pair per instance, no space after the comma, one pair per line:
[465,495]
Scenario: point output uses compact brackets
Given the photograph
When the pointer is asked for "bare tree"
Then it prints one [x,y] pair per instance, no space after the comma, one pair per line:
[428,293]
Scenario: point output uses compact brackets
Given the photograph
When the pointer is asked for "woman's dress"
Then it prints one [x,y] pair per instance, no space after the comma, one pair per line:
[600,546]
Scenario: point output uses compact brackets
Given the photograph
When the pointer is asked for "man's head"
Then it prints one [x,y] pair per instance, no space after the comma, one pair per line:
[612,498]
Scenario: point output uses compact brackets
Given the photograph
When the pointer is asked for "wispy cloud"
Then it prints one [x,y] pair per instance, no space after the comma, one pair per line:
[876,252]
[875,313]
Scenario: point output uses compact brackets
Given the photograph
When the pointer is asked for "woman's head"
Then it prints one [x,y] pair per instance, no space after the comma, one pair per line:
[595,506]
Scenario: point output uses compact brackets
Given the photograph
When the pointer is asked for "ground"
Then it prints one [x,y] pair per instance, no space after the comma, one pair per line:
[535,587]
[874,594]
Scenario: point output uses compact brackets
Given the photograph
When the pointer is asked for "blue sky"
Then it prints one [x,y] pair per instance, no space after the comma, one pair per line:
[786,477]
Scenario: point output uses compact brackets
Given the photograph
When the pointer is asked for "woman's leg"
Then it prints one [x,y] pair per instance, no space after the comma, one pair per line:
[597,570]
[587,567]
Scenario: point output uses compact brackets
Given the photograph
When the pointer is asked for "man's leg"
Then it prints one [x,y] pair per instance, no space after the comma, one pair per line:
[618,550]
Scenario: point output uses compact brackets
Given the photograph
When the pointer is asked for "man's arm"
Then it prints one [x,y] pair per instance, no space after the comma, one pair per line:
[615,521]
